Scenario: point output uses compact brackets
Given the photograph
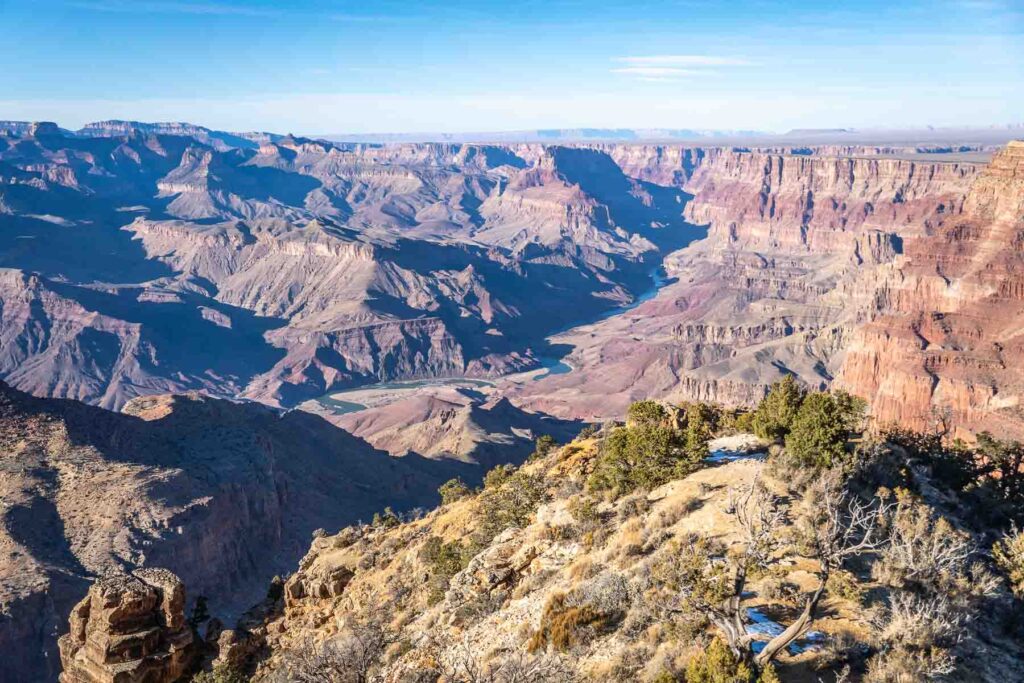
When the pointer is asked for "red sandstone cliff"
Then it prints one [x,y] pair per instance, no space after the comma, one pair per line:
[947,333]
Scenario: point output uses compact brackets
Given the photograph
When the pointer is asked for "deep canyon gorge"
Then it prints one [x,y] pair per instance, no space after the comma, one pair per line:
[176,302]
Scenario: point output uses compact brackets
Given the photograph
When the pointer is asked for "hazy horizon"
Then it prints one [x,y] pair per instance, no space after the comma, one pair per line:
[334,68]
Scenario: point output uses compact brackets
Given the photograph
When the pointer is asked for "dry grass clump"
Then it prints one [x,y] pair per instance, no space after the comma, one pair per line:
[775,588]
[631,663]
[843,584]
[563,627]
[532,582]
[583,568]
[609,593]
[671,514]
[633,505]
[630,540]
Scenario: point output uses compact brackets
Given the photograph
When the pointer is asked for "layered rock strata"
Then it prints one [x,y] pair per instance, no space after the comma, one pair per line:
[130,629]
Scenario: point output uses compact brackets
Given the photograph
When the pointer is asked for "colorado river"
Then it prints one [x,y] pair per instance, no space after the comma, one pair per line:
[362,397]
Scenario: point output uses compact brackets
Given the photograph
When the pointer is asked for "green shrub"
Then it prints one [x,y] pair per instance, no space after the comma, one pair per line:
[744,422]
[386,520]
[542,446]
[641,457]
[221,674]
[584,510]
[701,424]
[1009,556]
[822,427]
[453,490]
[952,465]
[718,664]
[645,413]
[510,503]
[1003,464]
[444,561]
[498,475]
[776,413]
[843,584]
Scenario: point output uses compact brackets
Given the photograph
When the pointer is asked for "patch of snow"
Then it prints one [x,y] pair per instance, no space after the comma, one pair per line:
[736,447]
[761,625]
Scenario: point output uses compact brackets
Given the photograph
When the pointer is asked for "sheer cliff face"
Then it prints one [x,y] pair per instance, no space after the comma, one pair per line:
[896,280]
[225,495]
[944,338]
[795,248]
[811,203]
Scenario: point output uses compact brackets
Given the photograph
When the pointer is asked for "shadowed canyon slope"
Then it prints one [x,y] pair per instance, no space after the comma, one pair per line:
[223,494]
[142,262]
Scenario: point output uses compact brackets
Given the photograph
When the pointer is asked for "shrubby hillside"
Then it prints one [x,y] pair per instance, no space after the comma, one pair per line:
[676,546]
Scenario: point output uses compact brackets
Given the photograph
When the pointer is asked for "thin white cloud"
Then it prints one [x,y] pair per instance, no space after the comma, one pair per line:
[683,61]
[658,71]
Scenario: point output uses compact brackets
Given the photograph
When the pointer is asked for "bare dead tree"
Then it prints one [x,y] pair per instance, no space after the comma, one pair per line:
[710,580]
[350,658]
[458,662]
[760,516]
[835,527]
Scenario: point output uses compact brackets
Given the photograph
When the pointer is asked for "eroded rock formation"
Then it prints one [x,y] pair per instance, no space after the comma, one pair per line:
[795,246]
[302,265]
[130,628]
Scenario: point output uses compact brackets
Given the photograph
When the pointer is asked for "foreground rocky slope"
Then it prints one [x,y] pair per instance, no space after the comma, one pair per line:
[225,495]
[869,564]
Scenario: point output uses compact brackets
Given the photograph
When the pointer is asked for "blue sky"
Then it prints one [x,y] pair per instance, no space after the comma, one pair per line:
[318,67]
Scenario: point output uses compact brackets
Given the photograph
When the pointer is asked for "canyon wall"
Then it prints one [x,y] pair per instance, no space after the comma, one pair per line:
[147,259]
[154,259]
[894,279]
[943,342]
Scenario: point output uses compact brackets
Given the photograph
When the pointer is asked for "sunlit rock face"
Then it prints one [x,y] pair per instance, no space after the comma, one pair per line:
[799,250]
[130,629]
[944,340]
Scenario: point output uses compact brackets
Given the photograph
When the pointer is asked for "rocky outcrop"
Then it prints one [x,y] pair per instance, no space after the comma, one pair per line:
[449,422]
[130,628]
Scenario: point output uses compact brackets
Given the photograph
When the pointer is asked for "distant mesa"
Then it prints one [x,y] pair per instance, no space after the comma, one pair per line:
[820,131]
